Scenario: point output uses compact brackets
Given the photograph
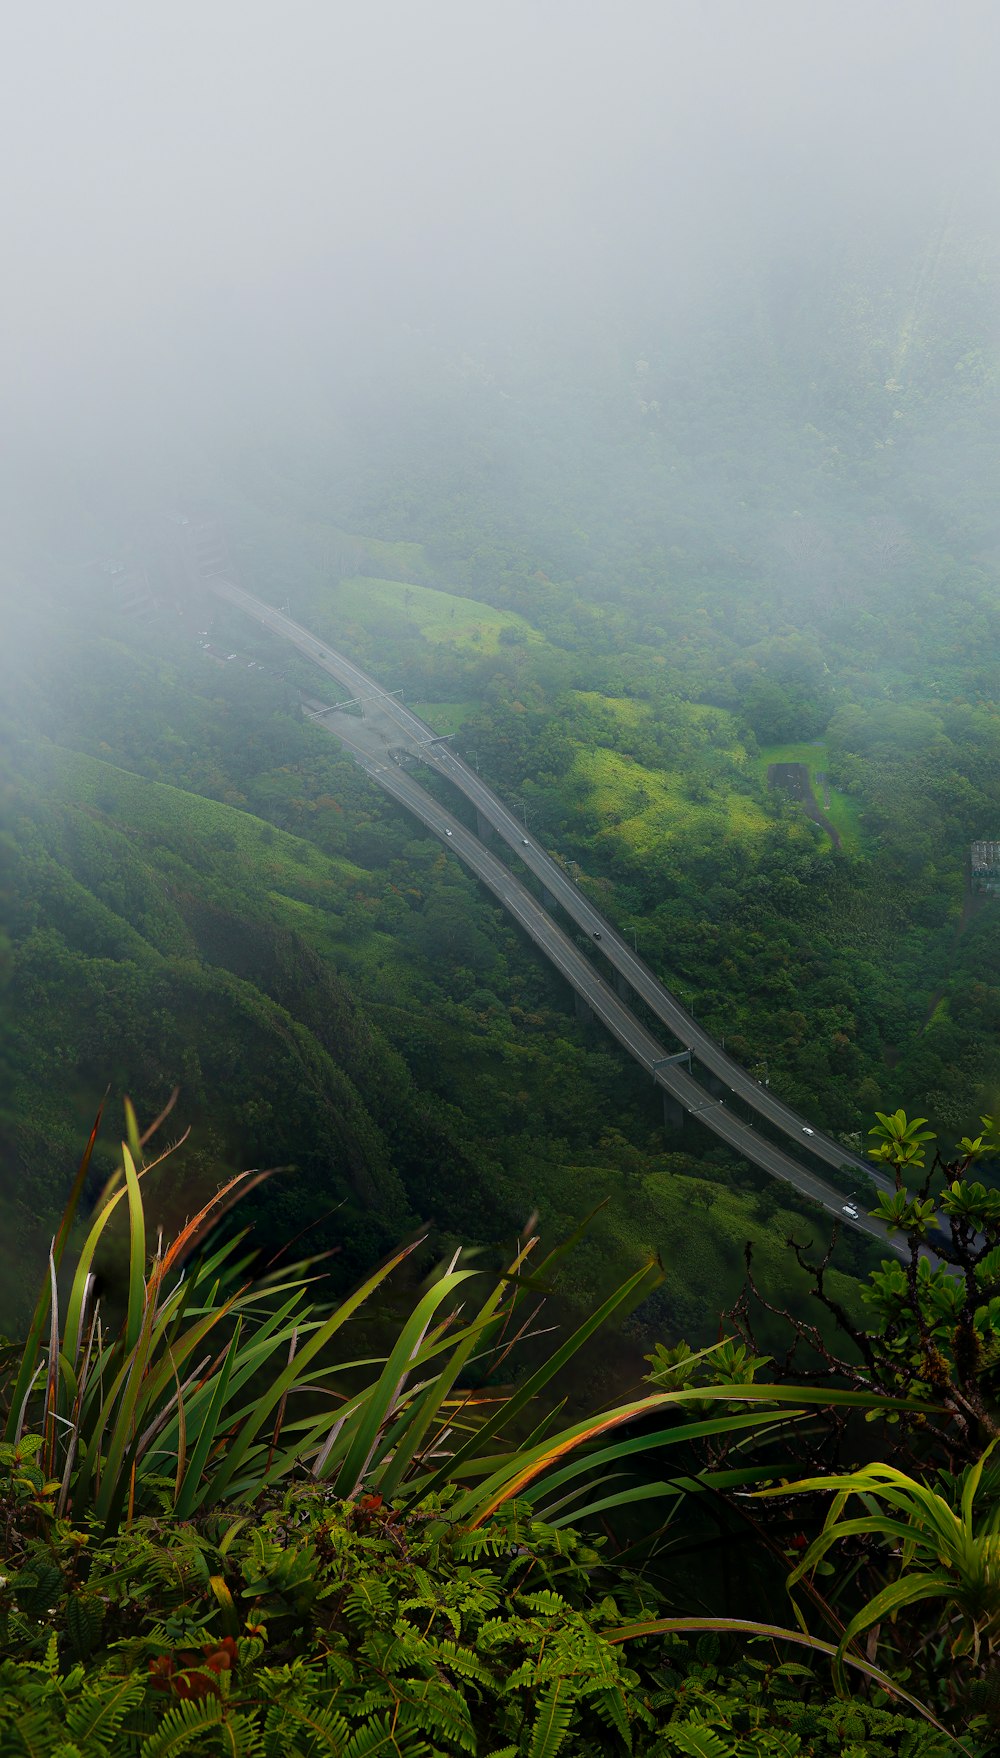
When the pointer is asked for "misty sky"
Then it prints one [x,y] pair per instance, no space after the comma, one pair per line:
[248,185]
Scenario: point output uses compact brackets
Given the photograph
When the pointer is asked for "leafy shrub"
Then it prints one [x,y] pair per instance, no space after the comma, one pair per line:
[221,1536]
[307,1625]
[216,1385]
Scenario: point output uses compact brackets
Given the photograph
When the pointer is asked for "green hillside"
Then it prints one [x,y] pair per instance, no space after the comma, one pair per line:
[323,982]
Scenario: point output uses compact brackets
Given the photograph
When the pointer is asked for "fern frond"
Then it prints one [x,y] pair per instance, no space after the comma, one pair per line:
[555,1712]
[326,1729]
[98,1716]
[609,1703]
[240,1738]
[280,1747]
[462,1661]
[545,1603]
[182,1726]
[436,1709]
[483,1542]
[33,1730]
[377,1739]
[84,1617]
[698,1741]
[368,1601]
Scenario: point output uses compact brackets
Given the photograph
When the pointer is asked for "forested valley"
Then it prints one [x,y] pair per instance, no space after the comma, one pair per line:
[624,607]
[417,1338]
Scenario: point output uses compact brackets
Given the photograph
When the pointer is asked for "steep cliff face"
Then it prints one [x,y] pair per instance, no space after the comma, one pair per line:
[130,965]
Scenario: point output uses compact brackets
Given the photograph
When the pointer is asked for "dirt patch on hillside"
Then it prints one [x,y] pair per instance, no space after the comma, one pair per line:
[793,779]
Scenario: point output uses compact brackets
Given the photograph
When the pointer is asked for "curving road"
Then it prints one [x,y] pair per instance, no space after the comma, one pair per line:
[419,740]
[367,741]
[370,753]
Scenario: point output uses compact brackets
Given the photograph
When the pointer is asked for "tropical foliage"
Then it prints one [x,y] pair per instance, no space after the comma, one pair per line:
[225,1531]
[306,1625]
[215,1384]
[326,1507]
[933,1317]
[943,1550]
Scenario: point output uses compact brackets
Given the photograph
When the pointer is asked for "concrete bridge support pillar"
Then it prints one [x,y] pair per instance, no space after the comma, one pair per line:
[624,988]
[484,829]
[548,900]
[584,1013]
[673,1114]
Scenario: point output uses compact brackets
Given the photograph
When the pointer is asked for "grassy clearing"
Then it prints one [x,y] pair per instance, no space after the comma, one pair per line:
[720,724]
[444,717]
[814,753]
[939,1014]
[648,809]
[843,812]
[845,816]
[627,709]
[404,560]
[393,609]
[713,728]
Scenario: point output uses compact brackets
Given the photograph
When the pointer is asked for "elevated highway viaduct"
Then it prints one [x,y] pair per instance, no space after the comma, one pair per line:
[370,747]
[600,996]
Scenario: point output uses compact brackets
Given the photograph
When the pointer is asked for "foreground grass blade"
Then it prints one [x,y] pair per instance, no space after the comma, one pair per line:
[382,1403]
[29,1354]
[515,1477]
[245,1439]
[52,1377]
[137,1248]
[132,1131]
[487,1317]
[732,1423]
[511,1407]
[81,1276]
[187,1501]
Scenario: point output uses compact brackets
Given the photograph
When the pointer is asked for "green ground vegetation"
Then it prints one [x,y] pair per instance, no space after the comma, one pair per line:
[444,717]
[288,1549]
[843,812]
[389,612]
